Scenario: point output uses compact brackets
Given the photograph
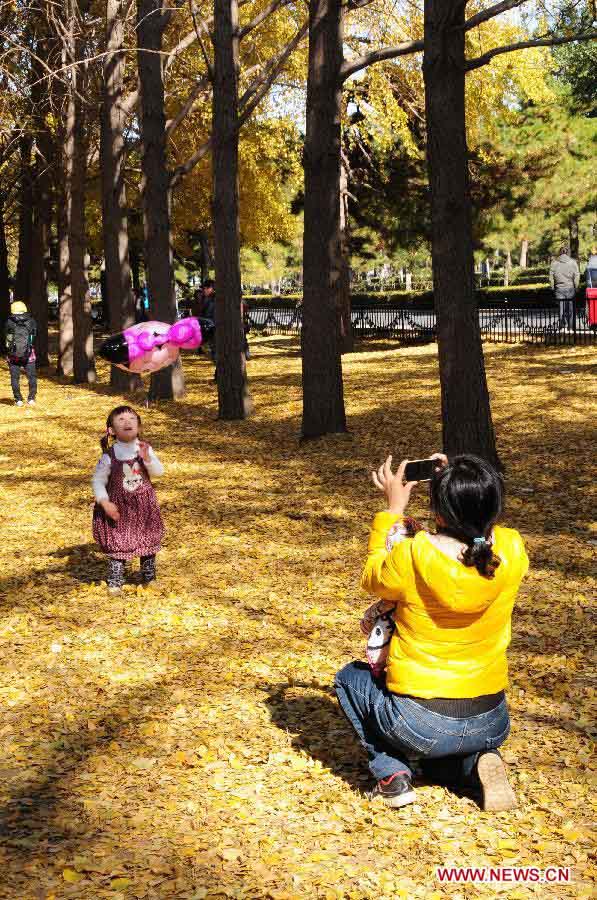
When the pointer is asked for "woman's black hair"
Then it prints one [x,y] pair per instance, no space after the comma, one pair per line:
[117,411]
[468,495]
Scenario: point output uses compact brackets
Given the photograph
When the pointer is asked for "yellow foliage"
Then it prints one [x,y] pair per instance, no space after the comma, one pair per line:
[218,763]
[498,87]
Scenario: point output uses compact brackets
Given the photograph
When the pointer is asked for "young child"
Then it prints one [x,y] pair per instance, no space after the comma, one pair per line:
[377,623]
[126,518]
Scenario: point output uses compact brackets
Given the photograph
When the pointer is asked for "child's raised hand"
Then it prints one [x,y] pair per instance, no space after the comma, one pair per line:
[144,451]
[110,509]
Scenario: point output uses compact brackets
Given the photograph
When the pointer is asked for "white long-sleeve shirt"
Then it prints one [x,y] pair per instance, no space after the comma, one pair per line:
[123,451]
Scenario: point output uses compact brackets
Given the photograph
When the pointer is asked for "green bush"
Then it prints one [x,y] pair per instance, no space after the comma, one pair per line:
[537,294]
[524,278]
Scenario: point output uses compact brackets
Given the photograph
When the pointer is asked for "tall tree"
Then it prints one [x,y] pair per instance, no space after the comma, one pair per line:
[4,271]
[64,364]
[233,396]
[121,300]
[22,281]
[46,48]
[40,244]
[152,18]
[344,305]
[466,413]
[75,158]
[8,148]
[323,397]
[323,266]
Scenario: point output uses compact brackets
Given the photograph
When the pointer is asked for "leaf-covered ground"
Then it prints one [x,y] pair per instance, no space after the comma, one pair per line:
[184,742]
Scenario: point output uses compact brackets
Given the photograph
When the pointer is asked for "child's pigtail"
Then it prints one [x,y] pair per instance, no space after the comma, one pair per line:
[105,441]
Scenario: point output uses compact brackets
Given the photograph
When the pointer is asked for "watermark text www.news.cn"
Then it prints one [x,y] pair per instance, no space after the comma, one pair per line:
[504,874]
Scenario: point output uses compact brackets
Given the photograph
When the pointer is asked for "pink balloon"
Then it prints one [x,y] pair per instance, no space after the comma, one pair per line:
[150,346]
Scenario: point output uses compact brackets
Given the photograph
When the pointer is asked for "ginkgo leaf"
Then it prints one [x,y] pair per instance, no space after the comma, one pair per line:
[71,876]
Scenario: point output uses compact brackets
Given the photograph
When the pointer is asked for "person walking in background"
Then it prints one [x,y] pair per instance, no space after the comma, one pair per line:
[19,336]
[591,271]
[205,310]
[244,312]
[564,277]
[208,300]
[591,289]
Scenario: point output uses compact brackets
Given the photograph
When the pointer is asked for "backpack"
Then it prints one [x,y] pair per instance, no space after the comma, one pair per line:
[19,339]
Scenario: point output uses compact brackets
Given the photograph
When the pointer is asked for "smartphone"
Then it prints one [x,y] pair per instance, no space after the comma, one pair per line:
[420,470]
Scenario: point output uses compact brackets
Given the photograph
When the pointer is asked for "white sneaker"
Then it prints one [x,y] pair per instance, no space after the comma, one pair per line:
[19,402]
[30,402]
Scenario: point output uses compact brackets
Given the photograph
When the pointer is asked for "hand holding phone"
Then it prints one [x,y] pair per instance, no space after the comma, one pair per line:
[419,469]
[423,469]
[398,485]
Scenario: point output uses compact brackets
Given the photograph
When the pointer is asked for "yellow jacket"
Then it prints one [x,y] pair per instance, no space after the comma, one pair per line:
[453,625]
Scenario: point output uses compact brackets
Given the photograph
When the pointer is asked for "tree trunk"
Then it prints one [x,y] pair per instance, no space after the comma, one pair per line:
[4,273]
[205,257]
[47,49]
[573,232]
[42,219]
[76,171]
[22,283]
[323,393]
[507,268]
[346,333]
[135,259]
[234,401]
[151,21]
[119,300]
[466,413]
[524,253]
[65,301]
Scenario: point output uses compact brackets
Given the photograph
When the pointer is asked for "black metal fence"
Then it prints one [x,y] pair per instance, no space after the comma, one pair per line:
[503,324]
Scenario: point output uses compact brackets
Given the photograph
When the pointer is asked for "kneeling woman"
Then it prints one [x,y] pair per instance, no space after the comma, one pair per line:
[442,699]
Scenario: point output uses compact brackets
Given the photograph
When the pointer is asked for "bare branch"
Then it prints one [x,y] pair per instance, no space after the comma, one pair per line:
[189,39]
[490,13]
[184,169]
[255,93]
[201,26]
[182,45]
[247,103]
[129,103]
[198,88]
[523,45]
[261,17]
[351,66]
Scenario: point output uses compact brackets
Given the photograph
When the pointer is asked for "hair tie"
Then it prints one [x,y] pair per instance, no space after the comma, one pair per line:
[480,540]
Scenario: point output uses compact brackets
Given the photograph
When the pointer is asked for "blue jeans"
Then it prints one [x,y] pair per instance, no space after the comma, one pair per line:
[395,730]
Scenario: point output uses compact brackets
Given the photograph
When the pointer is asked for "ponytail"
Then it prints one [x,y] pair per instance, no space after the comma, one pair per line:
[105,441]
[480,555]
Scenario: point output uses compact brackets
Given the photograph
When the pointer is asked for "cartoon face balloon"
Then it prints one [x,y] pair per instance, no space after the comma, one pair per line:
[150,346]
